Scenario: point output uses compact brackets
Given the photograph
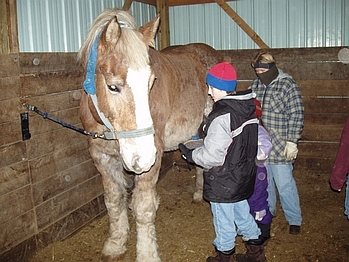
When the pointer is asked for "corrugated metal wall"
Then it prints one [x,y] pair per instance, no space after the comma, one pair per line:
[60,25]
[279,23]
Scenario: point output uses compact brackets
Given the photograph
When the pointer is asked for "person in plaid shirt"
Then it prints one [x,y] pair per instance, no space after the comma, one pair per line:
[283,117]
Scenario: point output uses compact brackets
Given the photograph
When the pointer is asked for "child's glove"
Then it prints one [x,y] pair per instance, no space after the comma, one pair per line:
[291,150]
[186,153]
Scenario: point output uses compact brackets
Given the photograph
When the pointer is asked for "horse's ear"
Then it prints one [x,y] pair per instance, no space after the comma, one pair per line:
[112,33]
[149,30]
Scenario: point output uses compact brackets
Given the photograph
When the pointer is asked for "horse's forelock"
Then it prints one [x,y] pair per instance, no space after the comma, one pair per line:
[130,44]
[134,50]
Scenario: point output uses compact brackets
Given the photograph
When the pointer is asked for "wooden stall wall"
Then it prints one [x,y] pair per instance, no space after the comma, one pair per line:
[324,84]
[49,185]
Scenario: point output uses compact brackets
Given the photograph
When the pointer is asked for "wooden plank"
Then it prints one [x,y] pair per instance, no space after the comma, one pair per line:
[314,165]
[192,2]
[326,88]
[69,224]
[13,153]
[180,2]
[316,157]
[313,88]
[46,143]
[13,177]
[317,149]
[16,203]
[320,119]
[326,105]
[60,206]
[127,5]
[15,231]
[21,252]
[300,63]
[12,23]
[240,22]
[164,27]
[36,63]
[316,71]
[13,132]
[58,161]
[299,70]
[9,65]
[288,55]
[57,184]
[54,102]
[39,125]
[9,87]
[10,110]
[50,83]
[4,41]
[327,133]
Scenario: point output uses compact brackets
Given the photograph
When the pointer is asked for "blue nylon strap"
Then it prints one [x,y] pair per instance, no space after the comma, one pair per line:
[89,83]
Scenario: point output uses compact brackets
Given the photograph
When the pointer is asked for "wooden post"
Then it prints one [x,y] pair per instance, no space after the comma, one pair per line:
[164,30]
[8,27]
[127,5]
[248,30]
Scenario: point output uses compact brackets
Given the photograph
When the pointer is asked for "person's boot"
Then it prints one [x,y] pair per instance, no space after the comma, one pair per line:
[254,253]
[265,232]
[225,256]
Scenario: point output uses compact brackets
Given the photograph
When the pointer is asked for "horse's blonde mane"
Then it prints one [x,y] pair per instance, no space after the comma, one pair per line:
[130,43]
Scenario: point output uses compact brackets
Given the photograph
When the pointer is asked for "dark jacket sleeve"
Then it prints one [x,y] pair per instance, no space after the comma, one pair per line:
[341,165]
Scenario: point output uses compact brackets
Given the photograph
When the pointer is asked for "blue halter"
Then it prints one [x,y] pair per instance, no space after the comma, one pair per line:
[89,83]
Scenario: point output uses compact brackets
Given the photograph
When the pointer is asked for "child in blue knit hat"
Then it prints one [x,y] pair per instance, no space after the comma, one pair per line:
[228,158]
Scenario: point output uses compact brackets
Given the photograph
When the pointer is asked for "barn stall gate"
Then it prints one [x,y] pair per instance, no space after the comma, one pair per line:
[49,186]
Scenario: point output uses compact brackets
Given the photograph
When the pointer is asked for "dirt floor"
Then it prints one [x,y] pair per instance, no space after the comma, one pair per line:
[185,231]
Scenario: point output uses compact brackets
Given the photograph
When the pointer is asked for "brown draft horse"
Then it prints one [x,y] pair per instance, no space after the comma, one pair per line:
[144,102]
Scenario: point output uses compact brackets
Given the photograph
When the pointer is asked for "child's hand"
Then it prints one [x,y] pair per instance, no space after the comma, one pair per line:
[186,152]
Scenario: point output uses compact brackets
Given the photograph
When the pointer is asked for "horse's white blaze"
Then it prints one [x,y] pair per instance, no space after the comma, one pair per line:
[139,153]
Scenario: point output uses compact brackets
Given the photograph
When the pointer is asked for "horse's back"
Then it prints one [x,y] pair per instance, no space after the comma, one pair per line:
[207,54]
[179,95]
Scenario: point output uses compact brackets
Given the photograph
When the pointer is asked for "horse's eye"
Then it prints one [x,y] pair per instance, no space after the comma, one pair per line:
[114,88]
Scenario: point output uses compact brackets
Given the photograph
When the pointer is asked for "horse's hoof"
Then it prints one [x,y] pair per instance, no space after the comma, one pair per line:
[112,252]
[112,259]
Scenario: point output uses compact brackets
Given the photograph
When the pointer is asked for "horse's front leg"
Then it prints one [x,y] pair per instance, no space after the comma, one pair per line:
[144,204]
[107,160]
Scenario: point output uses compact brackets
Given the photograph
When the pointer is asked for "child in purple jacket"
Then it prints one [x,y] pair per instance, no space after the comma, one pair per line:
[258,202]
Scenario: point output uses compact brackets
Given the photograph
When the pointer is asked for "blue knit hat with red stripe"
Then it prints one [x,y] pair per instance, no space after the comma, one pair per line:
[222,76]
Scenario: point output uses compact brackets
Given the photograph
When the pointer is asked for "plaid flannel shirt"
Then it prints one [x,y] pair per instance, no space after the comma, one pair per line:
[282,113]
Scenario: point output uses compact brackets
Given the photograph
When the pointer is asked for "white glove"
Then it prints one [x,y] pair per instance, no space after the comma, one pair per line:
[260,214]
[291,150]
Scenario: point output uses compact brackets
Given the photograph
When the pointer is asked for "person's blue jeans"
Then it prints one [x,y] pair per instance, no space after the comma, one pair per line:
[225,217]
[346,203]
[281,177]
